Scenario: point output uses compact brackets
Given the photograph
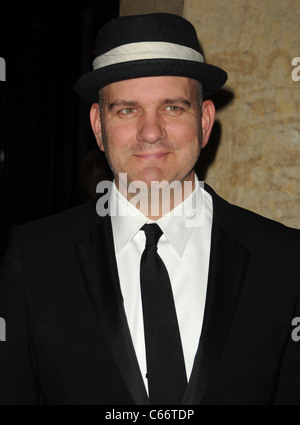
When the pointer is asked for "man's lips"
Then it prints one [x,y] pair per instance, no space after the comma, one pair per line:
[152,156]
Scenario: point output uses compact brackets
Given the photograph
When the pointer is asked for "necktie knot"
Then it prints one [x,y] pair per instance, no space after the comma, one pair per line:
[153,233]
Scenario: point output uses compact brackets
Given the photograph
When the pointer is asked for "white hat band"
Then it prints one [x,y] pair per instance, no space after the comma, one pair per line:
[146,50]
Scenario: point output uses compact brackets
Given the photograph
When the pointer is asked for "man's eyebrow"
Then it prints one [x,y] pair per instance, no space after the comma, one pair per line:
[133,104]
[177,101]
[118,103]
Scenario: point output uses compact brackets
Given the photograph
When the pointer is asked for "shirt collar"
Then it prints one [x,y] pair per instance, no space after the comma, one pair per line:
[126,219]
[178,225]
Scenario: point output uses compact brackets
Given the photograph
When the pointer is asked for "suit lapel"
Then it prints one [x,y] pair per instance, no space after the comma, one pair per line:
[97,260]
[227,271]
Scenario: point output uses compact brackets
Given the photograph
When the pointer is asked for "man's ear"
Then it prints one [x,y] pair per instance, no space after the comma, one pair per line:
[96,124]
[207,120]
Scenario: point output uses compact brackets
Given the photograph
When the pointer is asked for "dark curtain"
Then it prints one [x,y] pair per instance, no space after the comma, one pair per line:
[44,126]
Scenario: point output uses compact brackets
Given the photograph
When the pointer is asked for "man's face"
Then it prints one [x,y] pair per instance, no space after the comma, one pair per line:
[151,128]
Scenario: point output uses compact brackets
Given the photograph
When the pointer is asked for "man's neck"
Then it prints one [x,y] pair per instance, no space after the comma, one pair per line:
[159,199]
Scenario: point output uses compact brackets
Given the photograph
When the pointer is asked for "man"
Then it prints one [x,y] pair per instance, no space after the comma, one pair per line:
[188,300]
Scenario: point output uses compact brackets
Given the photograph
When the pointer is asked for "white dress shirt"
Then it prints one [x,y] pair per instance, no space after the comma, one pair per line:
[185,249]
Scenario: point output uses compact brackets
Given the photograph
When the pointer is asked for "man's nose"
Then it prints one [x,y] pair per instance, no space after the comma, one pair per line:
[151,128]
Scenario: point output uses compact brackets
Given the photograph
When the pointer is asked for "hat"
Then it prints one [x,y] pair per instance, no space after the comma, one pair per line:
[150,45]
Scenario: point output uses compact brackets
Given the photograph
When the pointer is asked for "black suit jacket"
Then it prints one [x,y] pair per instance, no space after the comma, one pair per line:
[68,340]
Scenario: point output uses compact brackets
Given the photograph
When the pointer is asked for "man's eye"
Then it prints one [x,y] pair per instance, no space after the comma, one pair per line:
[173,108]
[128,111]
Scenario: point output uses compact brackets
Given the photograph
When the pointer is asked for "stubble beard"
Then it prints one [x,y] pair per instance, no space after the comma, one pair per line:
[158,189]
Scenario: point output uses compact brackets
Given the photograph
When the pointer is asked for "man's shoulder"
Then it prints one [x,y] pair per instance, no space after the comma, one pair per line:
[72,224]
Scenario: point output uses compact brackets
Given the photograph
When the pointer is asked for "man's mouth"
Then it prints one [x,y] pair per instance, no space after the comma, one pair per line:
[152,156]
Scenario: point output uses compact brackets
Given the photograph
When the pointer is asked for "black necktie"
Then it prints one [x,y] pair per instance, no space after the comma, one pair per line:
[165,362]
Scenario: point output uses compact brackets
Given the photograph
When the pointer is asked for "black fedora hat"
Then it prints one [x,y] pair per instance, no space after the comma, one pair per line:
[151,45]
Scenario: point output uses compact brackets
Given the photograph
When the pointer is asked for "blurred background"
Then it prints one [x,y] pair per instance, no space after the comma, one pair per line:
[48,154]
[49,161]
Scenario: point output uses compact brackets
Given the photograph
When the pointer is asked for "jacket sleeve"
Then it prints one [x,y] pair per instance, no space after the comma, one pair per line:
[288,392]
[17,380]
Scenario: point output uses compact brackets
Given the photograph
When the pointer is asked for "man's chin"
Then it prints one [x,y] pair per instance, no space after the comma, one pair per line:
[149,185]
[147,182]
[143,180]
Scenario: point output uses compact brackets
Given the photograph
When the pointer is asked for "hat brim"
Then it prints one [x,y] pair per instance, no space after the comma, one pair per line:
[211,77]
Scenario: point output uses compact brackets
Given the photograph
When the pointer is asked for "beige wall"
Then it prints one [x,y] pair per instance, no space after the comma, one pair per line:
[255,149]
